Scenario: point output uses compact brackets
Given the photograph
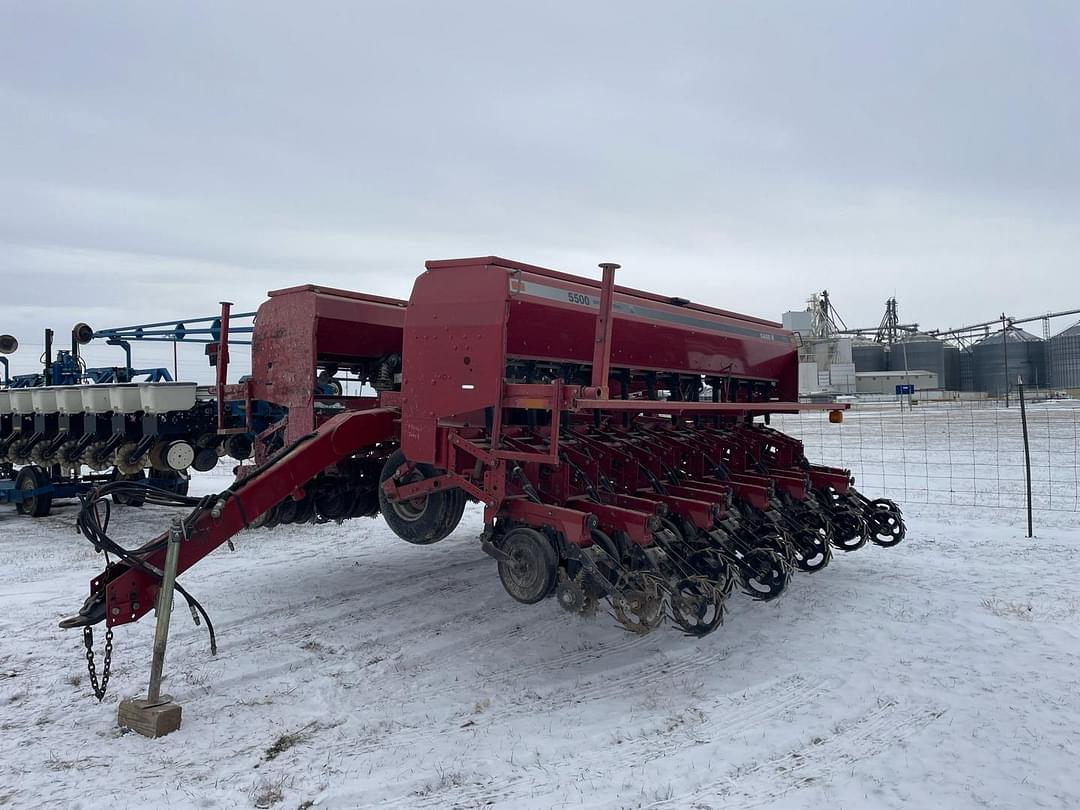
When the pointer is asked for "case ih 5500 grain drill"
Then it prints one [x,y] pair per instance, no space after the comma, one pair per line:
[609,433]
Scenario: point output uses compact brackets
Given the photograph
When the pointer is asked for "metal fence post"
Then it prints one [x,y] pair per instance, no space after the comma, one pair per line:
[1027,452]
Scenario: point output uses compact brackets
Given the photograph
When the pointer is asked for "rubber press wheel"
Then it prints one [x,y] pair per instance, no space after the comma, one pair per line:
[533,565]
[423,520]
[29,479]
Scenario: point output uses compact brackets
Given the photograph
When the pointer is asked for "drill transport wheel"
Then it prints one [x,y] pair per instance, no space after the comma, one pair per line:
[423,520]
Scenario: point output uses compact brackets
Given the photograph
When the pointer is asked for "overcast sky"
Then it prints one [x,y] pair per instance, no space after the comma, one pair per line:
[158,157]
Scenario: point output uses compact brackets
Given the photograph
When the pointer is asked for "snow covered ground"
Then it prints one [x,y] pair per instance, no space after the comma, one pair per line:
[356,670]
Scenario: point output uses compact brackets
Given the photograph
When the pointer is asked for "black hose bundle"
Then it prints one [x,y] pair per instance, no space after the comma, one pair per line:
[95,511]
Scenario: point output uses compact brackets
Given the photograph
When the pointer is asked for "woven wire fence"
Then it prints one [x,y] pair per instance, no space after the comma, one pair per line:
[955,453]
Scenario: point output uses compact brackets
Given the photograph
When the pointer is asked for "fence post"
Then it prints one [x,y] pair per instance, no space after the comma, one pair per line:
[1027,451]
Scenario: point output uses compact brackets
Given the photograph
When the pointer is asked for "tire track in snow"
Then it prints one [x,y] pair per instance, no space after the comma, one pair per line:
[321,604]
[760,784]
[756,705]
[638,674]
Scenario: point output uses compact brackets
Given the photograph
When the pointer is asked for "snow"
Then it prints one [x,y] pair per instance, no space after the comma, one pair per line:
[356,670]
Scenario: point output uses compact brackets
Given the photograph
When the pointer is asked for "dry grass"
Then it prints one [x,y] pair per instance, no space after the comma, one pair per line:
[290,739]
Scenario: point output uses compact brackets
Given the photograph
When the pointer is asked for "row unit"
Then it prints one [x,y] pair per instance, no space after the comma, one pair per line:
[119,398]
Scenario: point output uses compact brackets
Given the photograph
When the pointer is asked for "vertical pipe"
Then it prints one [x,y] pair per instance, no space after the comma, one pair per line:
[223,362]
[127,359]
[601,365]
[1027,451]
[1005,349]
[48,356]
[164,611]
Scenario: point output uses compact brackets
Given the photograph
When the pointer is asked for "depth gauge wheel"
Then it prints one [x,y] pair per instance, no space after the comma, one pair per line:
[764,574]
[423,520]
[885,522]
[850,531]
[530,573]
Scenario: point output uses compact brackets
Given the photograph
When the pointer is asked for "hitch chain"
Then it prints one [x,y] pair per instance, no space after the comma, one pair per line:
[106,661]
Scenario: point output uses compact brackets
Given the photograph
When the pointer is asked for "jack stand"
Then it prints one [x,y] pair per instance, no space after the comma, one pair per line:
[156,715]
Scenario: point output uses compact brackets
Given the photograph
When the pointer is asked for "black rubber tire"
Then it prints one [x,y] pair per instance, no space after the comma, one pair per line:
[270,518]
[287,511]
[456,510]
[764,574]
[886,523]
[206,459]
[850,532]
[535,566]
[239,447]
[417,521]
[810,546]
[31,478]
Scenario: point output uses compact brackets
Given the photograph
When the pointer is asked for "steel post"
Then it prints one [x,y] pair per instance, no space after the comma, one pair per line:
[164,609]
[223,362]
[1005,352]
[1027,452]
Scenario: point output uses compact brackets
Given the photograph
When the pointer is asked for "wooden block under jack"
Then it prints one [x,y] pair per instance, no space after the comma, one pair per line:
[149,718]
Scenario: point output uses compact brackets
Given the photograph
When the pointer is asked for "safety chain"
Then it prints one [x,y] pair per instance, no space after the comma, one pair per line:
[106,662]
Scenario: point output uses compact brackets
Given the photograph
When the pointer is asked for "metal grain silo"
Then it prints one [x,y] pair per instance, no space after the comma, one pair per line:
[869,356]
[919,353]
[1025,354]
[1064,352]
[952,379]
[967,370]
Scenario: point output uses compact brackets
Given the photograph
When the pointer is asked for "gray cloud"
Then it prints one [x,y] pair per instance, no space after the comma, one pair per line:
[157,158]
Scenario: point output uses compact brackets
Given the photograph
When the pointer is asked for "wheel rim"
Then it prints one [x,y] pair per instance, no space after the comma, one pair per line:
[413,508]
[524,571]
[28,485]
[531,567]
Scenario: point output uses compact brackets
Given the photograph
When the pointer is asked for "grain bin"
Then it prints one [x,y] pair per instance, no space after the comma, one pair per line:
[952,379]
[869,356]
[1024,353]
[919,352]
[1064,352]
